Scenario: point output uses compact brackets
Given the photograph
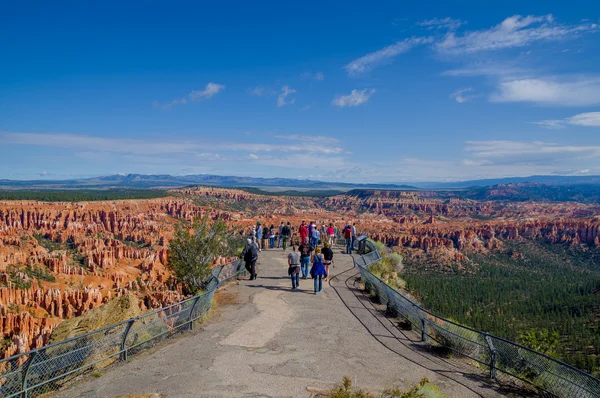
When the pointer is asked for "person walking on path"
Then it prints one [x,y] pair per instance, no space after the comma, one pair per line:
[303,233]
[327,258]
[330,235]
[281,226]
[317,272]
[353,233]
[294,268]
[286,233]
[311,227]
[305,251]
[348,237]
[250,256]
[259,235]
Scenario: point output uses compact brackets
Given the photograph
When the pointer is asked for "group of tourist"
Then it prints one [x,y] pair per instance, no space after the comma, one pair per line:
[314,247]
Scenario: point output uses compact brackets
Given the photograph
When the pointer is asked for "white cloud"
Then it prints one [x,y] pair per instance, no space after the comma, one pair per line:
[281,99]
[253,156]
[373,59]
[257,91]
[209,91]
[355,98]
[459,97]
[573,92]
[149,146]
[515,31]
[316,76]
[536,152]
[589,119]
[441,23]
[551,124]
[314,139]
[43,173]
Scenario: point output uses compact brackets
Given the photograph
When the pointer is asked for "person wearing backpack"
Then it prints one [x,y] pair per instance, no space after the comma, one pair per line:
[317,272]
[286,232]
[250,256]
[305,251]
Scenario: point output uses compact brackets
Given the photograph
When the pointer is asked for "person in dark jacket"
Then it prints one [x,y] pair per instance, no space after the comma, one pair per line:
[250,256]
[286,233]
[327,258]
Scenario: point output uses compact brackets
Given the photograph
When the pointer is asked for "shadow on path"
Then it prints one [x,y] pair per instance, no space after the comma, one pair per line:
[382,328]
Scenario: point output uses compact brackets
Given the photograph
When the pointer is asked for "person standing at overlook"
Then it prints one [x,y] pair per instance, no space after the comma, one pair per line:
[330,235]
[314,239]
[286,233]
[272,237]
[259,235]
[265,238]
[303,230]
[348,236]
[311,227]
[281,226]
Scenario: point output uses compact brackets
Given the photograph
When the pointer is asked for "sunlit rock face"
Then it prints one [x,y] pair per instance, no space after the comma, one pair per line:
[87,253]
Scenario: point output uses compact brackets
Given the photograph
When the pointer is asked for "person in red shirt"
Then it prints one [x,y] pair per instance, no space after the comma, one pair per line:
[303,233]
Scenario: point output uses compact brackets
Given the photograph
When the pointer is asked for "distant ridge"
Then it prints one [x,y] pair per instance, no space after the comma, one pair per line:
[166,181]
[145,181]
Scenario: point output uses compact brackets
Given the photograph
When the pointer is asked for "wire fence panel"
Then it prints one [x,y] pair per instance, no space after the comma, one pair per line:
[49,368]
[497,354]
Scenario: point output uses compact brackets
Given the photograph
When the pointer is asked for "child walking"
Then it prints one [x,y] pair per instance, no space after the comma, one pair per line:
[317,272]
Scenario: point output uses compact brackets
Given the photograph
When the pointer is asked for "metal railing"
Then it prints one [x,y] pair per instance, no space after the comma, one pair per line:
[49,368]
[493,353]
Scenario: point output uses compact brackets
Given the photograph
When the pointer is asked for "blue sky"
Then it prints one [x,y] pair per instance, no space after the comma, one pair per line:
[340,91]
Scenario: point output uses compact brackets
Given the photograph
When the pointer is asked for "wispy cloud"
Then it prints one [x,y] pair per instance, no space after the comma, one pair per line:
[355,98]
[316,76]
[285,92]
[313,139]
[441,23]
[152,146]
[459,96]
[209,91]
[373,59]
[567,92]
[536,152]
[589,119]
[515,31]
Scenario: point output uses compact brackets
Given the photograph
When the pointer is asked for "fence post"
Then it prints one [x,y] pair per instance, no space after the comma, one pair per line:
[490,344]
[424,331]
[190,320]
[27,365]
[123,356]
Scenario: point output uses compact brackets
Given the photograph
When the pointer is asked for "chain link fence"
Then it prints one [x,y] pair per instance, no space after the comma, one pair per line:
[490,352]
[49,368]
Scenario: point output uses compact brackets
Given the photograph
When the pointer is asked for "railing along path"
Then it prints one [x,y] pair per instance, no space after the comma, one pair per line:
[490,352]
[48,368]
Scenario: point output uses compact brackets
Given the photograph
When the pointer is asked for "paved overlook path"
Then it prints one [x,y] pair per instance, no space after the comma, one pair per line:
[269,341]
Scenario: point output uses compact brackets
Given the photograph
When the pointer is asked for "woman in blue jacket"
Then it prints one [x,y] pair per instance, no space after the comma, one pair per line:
[317,272]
